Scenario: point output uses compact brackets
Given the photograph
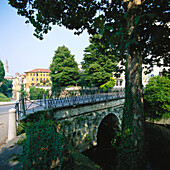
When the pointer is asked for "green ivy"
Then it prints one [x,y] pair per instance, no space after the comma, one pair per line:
[44,147]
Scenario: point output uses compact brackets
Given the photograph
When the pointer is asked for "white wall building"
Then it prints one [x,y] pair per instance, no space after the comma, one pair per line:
[120,82]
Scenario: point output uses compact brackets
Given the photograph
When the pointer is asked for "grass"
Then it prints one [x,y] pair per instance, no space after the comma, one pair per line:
[3,98]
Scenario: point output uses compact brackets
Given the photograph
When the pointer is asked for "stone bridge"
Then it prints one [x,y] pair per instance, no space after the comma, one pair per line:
[88,125]
[87,119]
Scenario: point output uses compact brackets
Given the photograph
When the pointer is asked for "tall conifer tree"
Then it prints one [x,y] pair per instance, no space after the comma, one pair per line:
[98,62]
[64,69]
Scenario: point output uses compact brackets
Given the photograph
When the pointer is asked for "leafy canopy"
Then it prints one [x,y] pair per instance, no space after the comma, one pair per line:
[157,97]
[37,93]
[109,19]
[98,62]
[64,69]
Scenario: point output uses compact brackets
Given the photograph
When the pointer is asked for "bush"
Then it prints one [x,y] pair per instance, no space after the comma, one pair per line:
[109,84]
[37,93]
[44,147]
[157,98]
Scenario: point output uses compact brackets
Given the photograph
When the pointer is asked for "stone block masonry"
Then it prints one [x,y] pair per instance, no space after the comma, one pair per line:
[81,123]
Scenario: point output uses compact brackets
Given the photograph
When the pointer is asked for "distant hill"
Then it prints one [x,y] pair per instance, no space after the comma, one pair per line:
[3,98]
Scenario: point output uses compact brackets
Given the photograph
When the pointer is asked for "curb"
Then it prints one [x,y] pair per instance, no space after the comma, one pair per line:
[6,103]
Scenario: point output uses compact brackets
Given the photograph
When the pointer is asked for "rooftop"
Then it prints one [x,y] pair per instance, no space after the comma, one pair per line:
[38,70]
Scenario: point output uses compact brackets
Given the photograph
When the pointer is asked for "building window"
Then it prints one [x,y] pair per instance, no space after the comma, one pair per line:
[37,79]
[34,74]
[41,74]
[37,74]
[44,74]
[117,82]
[32,84]
[44,78]
[40,79]
[31,74]
[121,82]
[32,79]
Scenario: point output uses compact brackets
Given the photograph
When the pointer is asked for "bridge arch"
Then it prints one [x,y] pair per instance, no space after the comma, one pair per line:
[108,127]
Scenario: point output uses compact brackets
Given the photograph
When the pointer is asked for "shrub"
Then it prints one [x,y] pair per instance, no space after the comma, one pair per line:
[44,147]
[109,84]
[37,93]
[157,98]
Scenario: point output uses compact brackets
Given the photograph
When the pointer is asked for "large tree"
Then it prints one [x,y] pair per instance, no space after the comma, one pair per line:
[2,71]
[139,33]
[64,69]
[98,62]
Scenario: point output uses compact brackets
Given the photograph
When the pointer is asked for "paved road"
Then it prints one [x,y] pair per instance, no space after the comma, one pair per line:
[4,108]
[4,121]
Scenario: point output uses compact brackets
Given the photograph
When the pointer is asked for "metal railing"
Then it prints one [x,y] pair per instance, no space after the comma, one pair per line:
[25,106]
[67,98]
[84,97]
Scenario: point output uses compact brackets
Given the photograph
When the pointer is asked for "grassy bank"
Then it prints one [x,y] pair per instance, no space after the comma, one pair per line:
[3,98]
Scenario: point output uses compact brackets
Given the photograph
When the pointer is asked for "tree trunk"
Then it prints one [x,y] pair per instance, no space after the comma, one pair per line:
[131,154]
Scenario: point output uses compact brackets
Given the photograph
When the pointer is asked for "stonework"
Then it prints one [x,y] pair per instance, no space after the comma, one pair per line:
[81,123]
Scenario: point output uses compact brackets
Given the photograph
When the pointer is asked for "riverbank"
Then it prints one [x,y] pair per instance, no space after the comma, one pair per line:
[157,150]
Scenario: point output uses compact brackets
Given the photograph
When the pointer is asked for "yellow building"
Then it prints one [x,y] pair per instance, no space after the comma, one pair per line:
[38,77]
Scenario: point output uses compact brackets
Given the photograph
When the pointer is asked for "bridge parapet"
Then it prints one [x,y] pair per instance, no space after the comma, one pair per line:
[81,123]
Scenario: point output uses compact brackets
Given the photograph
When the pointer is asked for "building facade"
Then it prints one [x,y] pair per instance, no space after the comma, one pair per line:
[38,77]
[17,82]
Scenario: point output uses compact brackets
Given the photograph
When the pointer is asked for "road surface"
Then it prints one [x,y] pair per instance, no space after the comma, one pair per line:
[4,121]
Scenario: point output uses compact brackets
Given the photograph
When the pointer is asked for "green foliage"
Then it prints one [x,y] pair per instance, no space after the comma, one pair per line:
[88,138]
[44,148]
[23,92]
[21,128]
[99,62]
[108,84]
[6,88]
[111,22]
[95,75]
[37,93]
[2,71]
[157,98]
[3,98]
[64,69]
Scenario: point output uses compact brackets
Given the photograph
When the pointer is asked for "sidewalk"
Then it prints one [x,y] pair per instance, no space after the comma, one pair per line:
[7,152]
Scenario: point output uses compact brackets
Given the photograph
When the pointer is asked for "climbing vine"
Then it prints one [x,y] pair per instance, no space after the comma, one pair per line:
[131,132]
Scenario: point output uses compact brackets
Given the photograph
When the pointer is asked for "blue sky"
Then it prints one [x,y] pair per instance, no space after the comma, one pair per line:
[25,52]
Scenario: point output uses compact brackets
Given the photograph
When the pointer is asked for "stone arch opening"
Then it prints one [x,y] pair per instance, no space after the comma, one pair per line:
[107,130]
